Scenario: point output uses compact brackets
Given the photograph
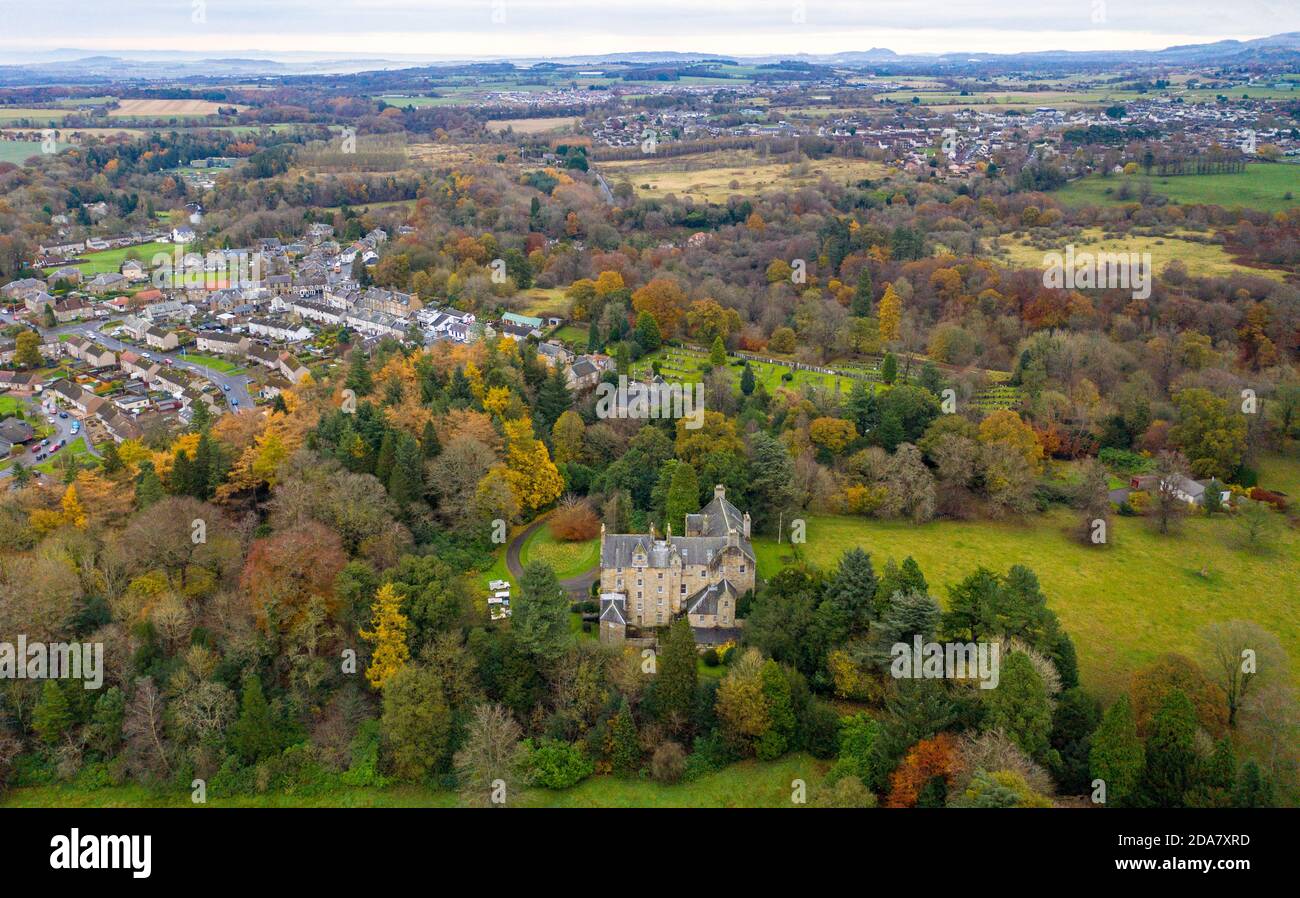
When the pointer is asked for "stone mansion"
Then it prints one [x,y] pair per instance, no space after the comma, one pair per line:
[648,581]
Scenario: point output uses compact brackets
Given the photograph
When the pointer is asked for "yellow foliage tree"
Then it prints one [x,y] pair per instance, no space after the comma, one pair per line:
[73,513]
[890,313]
[533,476]
[1005,428]
[388,636]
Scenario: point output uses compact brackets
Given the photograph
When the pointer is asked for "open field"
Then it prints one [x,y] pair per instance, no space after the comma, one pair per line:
[110,260]
[216,363]
[682,365]
[748,784]
[1123,605]
[1261,186]
[1201,259]
[532,125]
[19,151]
[165,108]
[540,302]
[712,177]
[34,115]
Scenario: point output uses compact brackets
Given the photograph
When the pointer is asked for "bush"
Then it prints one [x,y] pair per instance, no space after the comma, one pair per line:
[1122,461]
[668,765]
[1274,499]
[711,658]
[574,521]
[553,764]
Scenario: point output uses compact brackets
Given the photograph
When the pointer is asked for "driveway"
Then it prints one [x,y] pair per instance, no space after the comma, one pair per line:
[579,587]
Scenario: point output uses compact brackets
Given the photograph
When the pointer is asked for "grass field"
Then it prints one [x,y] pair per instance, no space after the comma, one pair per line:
[34,115]
[166,108]
[110,260]
[19,151]
[216,363]
[1123,605]
[567,559]
[712,177]
[749,784]
[1261,186]
[1201,259]
[77,447]
[682,365]
[533,125]
[540,302]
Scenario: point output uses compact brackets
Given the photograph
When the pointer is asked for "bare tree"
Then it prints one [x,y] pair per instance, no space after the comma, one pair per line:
[1239,652]
[1168,506]
[146,747]
[489,764]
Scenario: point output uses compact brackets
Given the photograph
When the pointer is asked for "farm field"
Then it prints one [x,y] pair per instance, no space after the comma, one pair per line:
[36,116]
[712,177]
[533,125]
[1201,259]
[1123,606]
[165,108]
[748,784]
[1261,186]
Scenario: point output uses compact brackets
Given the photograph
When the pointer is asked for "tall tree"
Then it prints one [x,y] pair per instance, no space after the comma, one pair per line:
[540,617]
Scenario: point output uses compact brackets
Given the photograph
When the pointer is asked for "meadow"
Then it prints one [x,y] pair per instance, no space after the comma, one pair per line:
[1140,596]
[19,151]
[1201,259]
[110,260]
[1263,186]
[713,177]
[748,784]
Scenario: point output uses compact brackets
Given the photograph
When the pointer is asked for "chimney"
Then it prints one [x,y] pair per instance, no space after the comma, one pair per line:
[602,537]
[669,533]
[652,529]
[746,528]
[733,539]
[719,491]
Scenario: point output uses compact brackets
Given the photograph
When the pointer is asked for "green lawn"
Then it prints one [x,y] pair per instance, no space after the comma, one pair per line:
[677,364]
[1123,605]
[567,559]
[216,363]
[1261,186]
[9,406]
[110,260]
[19,151]
[77,447]
[749,784]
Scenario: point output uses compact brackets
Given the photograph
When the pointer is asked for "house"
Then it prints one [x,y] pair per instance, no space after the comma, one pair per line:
[20,383]
[275,330]
[108,282]
[648,581]
[222,344]
[161,339]
[92,354]
[14,432]
[19,289]
[69,273]
[71,308]
[1184,488]
[583,374]
[134,271]
[390,302]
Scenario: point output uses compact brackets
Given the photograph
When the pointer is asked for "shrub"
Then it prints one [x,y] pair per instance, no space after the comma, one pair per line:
[553,764]
[574,520]
[1274,499]
[711,658]
[668,765]
[1123,461]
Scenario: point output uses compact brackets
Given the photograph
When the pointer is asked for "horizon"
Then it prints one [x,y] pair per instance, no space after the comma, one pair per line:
[531,29]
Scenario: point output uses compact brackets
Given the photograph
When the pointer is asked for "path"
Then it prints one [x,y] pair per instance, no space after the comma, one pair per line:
[579,586]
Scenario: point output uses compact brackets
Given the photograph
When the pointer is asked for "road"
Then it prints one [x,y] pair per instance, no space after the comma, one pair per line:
[579,587]
[235,386]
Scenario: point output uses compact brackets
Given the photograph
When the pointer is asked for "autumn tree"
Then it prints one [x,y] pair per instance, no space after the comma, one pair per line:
[387,633]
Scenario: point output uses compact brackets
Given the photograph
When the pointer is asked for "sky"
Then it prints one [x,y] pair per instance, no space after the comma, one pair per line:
[437,29]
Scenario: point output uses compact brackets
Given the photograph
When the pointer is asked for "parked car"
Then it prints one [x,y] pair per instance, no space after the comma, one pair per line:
[226,387]
[45,442]
[63,414]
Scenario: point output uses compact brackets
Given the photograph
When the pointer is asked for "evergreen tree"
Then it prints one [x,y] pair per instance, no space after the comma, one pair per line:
[890,433]
[625,742]
[1253,789]
[747,380]
[540,618]
[1116,757]
[148,488]
[717,353]
[777,739]
[677,682]
[53,714]
[861,407]
[553,400]
[1171,752]
[863,294]
[889,368]
[909,614]
[771,483]
[111,460]
[200,417]
[254,736]
[359,380]
[848,605]
[429,443]
[593,336]
[1020,706]
[387,455]
[460,393]
[647,332]
[406,481]
[277,405]
[683,496]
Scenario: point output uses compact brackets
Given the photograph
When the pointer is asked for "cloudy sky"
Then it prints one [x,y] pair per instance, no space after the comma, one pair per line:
[499,28]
